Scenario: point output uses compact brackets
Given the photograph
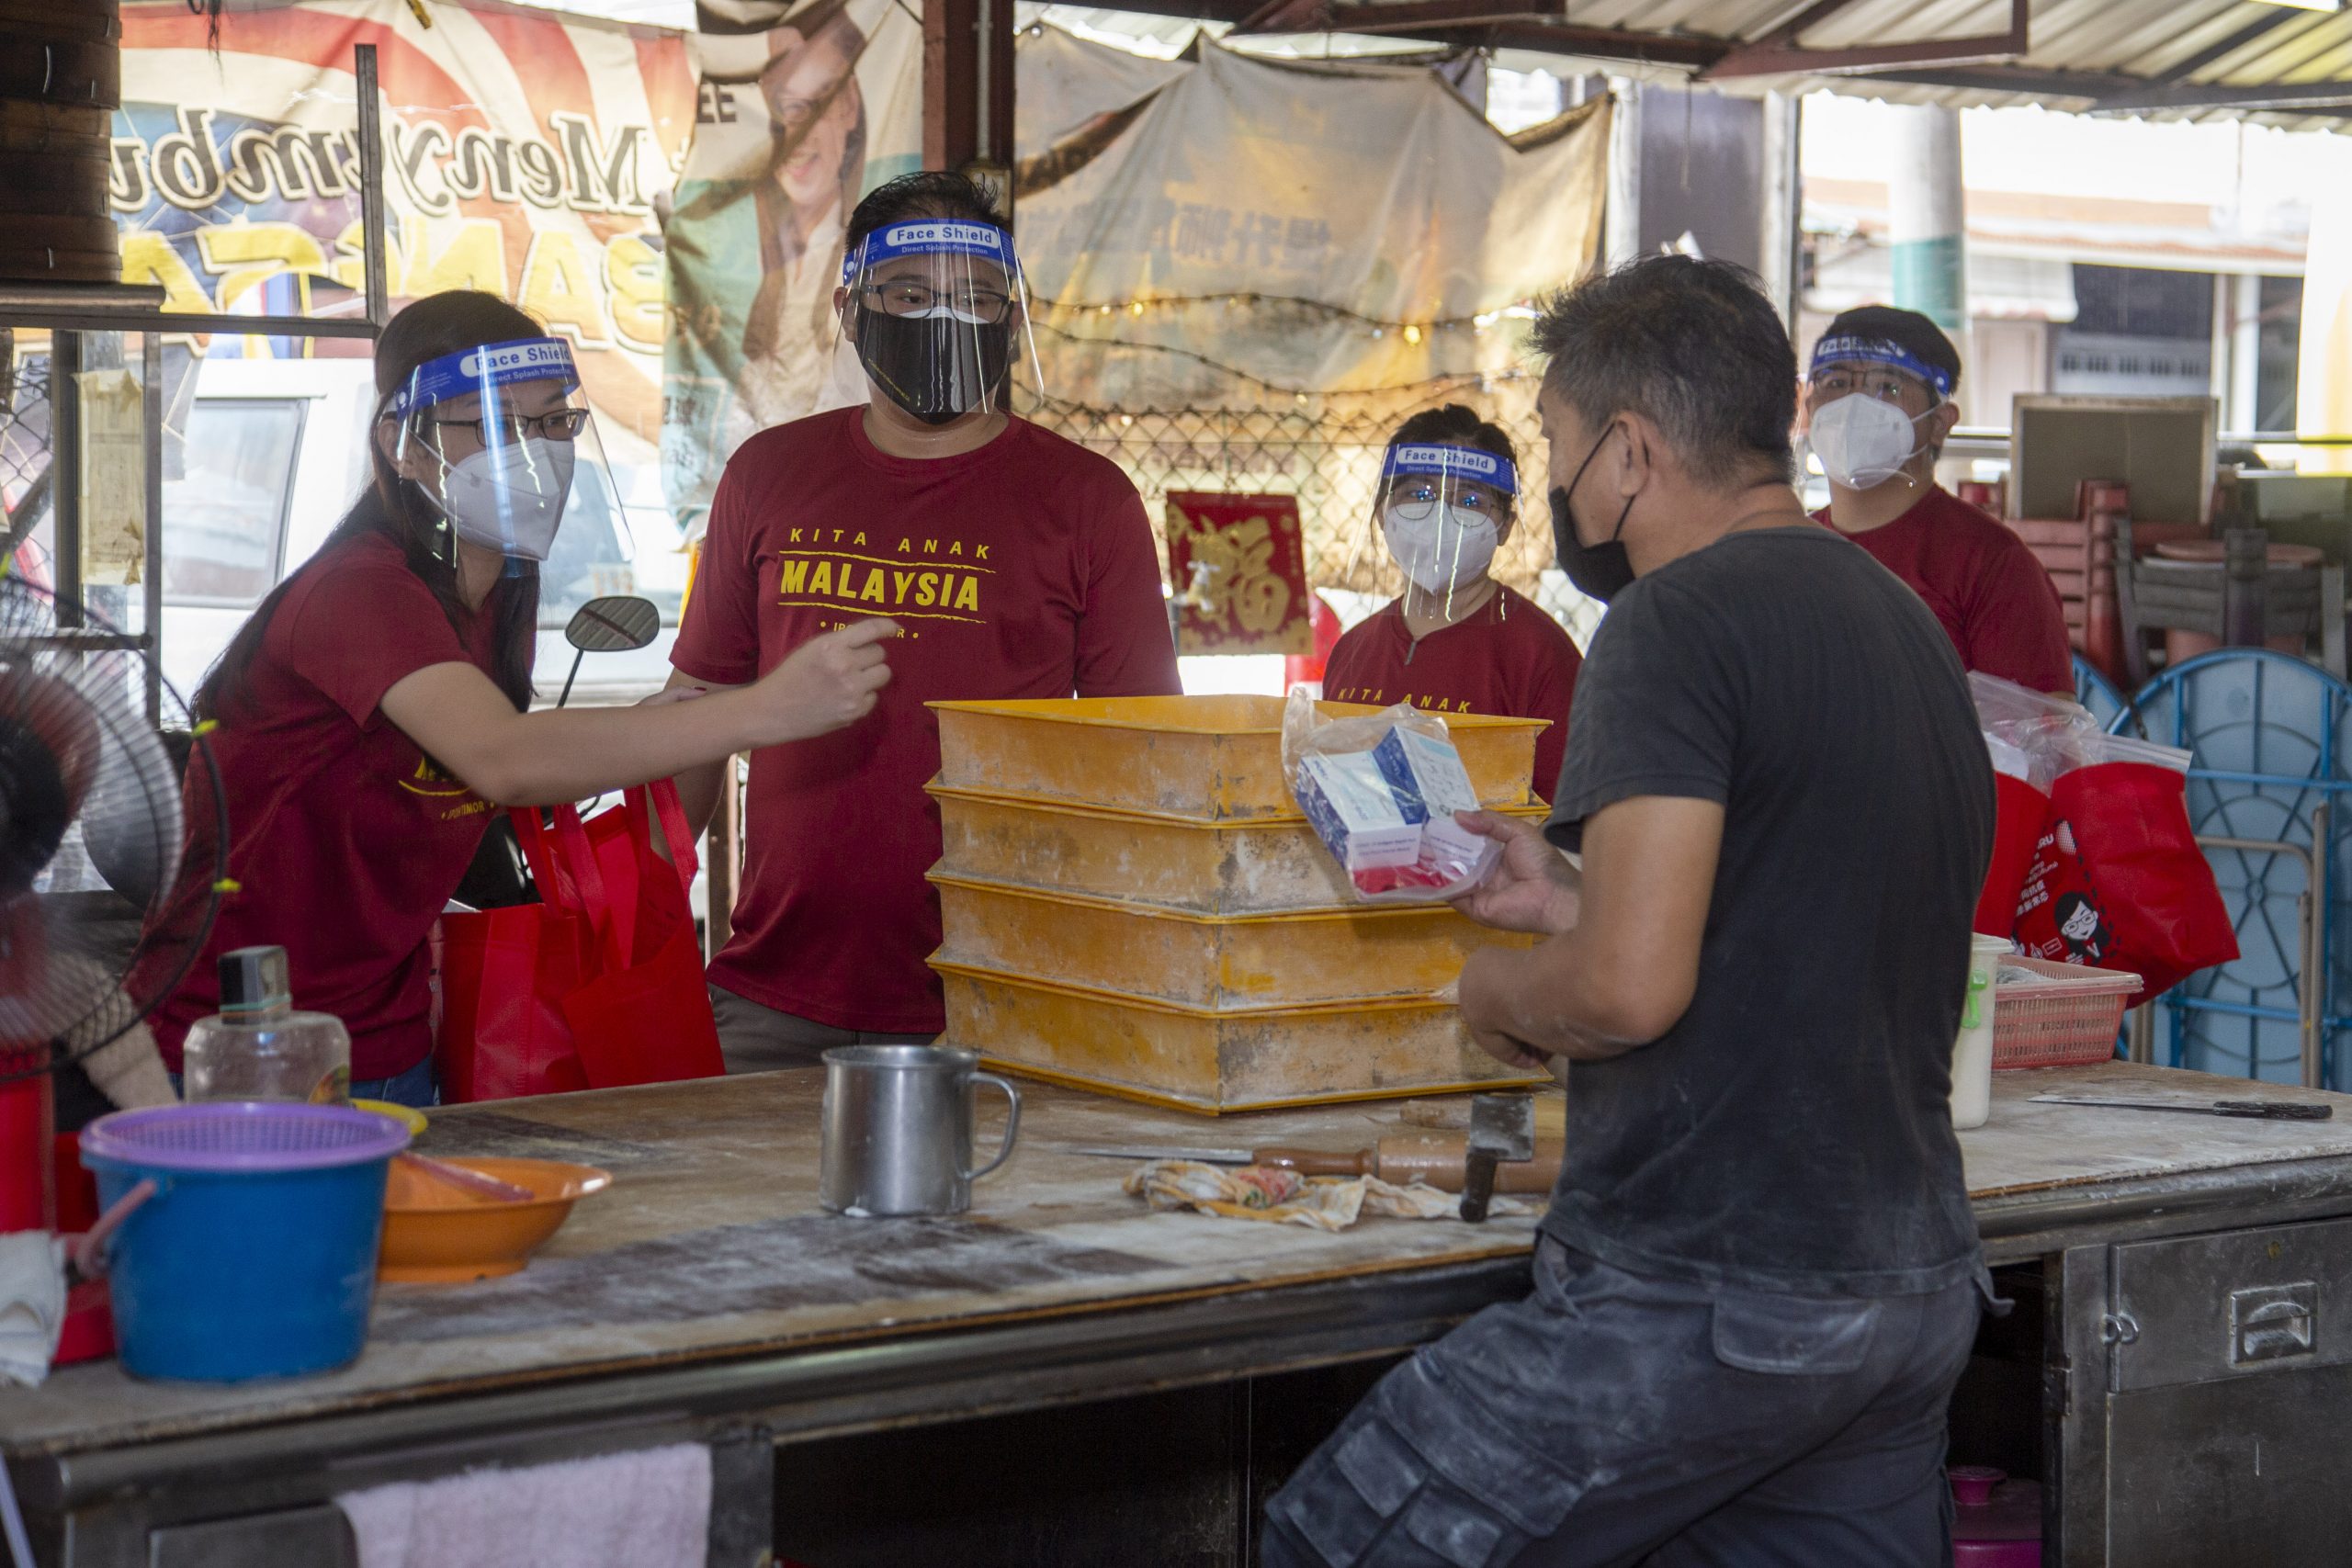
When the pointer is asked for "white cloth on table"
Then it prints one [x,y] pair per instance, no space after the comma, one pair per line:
[32,1304]
[646,1509]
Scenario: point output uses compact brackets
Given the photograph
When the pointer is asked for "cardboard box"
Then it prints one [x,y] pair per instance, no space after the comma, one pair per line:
[1355,813]
[1428,779]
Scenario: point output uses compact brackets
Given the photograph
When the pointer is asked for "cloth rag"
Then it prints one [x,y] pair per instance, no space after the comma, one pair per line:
[32,1304]
[646,1509]
[1274,1193]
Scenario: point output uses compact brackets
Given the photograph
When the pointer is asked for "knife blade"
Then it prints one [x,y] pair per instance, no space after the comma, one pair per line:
[2252,1110]
[1205,1157]
[1502,1127]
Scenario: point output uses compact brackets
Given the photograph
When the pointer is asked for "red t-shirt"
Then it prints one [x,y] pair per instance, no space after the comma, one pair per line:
[1022,569]
[345,839]
[1996,602]
[1510,658]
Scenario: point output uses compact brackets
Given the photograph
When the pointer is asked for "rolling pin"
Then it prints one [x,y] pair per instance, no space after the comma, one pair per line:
[1434,1158]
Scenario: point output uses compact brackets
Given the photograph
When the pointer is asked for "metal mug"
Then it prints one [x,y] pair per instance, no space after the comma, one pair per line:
[899,1129]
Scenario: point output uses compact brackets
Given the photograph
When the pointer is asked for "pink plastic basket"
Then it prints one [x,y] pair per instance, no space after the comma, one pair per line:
[2068,1020]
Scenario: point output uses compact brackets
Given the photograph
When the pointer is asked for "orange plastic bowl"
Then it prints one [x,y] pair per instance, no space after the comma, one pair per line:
[436,1234]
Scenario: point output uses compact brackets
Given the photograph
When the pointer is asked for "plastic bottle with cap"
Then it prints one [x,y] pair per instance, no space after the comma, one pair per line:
[257,1046]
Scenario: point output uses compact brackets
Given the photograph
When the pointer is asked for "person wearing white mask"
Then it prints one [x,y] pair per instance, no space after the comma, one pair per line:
[1879,408]
[371,715]
[1456,641]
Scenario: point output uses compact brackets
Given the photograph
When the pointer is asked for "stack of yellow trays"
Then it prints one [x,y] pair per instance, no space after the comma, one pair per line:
[1131,903]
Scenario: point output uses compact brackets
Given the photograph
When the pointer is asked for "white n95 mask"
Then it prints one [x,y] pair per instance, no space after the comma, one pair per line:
[1863,441]
[1448,548]
[510,498]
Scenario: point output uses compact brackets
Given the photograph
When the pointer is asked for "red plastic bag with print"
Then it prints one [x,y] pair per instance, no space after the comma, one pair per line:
[2118,881]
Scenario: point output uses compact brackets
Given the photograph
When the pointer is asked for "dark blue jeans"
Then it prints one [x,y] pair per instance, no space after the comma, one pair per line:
[1611,1418]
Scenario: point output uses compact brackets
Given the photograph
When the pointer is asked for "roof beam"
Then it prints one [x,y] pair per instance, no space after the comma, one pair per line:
[1508,24]
[2223,95]
[1778,54]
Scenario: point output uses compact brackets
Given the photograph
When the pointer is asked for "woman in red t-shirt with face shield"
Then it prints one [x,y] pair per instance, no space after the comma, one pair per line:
[1456,641]
[372,714]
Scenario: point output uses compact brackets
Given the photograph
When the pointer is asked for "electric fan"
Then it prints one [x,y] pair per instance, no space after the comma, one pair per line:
[107,890]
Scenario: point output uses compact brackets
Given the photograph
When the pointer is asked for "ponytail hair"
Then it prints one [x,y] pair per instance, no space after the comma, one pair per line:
[396,508]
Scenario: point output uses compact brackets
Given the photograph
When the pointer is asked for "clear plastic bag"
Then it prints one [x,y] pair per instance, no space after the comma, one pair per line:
[1381,791]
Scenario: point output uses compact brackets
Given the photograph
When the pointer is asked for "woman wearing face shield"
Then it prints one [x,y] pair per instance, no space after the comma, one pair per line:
[370,716]
[1456,641]
[1878,408]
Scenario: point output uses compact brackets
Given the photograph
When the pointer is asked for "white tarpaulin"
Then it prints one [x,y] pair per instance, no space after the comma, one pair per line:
[1253,230]
[2323,390]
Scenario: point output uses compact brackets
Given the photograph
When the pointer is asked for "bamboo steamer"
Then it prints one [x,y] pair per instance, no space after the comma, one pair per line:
[61,81]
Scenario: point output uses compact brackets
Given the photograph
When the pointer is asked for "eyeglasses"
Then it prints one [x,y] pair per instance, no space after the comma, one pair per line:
[1416,499]
[985,305]
[1886,386]
[514,429]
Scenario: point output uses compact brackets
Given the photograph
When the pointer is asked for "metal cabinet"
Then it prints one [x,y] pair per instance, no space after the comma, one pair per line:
[2200,1388]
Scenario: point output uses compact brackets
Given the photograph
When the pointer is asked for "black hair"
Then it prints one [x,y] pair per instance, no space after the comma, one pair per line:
[396,509]
[1693,345]
[932,193]
[1914,334]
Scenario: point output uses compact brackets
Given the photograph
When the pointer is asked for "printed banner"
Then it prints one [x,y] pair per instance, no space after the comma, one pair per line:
[1240,566]
[792,127]
[526,155]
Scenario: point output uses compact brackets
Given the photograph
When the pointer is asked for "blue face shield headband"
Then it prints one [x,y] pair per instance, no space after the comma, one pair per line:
[1846,349]
[484,370]
[1445,460]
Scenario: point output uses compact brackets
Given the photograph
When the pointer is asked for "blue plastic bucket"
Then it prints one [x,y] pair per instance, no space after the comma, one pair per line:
[239,1238]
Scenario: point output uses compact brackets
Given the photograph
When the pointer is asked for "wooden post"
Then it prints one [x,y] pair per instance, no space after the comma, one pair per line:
[967,89]
[2245,588]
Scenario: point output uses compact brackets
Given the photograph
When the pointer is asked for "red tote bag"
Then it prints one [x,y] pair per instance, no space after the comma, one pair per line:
[597,986]
[645,1016]
[504,974]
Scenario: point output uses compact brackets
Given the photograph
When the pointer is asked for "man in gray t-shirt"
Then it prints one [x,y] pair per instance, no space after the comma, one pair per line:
[1759,1277]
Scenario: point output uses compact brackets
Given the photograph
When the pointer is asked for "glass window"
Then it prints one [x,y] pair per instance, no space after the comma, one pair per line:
[224,520]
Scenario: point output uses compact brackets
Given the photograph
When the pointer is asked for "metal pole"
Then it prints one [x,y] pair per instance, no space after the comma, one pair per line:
[371,184]
[1622,218]
[150,577]
[2315,986]
[65,472]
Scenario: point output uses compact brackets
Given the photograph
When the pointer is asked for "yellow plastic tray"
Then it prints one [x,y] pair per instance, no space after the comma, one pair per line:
[1210,757]
[1207,1062]
[1225,963]
[1265,867]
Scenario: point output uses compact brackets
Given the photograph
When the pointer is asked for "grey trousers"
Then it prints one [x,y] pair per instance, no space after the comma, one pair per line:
[1612,1418]
[756,1039]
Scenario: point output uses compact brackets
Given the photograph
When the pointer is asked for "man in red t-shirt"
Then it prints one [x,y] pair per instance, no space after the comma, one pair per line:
[1878,409]
[1019,565]
[1456,641]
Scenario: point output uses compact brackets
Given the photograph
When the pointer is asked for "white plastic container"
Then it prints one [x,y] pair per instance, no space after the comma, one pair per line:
[1971,1053]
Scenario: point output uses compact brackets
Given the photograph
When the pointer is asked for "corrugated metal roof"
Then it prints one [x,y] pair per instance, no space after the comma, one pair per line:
[2163,58]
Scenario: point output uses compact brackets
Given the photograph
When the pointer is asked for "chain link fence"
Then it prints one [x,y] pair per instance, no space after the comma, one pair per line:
[1326,451]
[24,443]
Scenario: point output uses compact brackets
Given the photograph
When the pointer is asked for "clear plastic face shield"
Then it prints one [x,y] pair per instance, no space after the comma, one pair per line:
[500,440]
[937,310]
[1443,510]
[1863,392]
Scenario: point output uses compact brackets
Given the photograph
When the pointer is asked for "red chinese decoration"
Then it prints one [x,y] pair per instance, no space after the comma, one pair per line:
[1238,563]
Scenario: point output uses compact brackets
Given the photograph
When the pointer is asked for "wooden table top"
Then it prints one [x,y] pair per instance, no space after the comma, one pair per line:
[710,1244]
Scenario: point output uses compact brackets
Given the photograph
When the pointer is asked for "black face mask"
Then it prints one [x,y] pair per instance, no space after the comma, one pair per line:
[1599,571]
[935,367]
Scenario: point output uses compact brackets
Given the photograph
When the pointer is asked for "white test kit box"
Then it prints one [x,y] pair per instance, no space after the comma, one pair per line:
[1355,813]
[1428,779]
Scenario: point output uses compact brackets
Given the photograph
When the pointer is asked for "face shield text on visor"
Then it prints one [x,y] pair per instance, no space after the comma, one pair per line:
[499,442]
[933,305]
[1442,510]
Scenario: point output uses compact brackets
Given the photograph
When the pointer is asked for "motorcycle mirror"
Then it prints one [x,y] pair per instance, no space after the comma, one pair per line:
[614,625]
